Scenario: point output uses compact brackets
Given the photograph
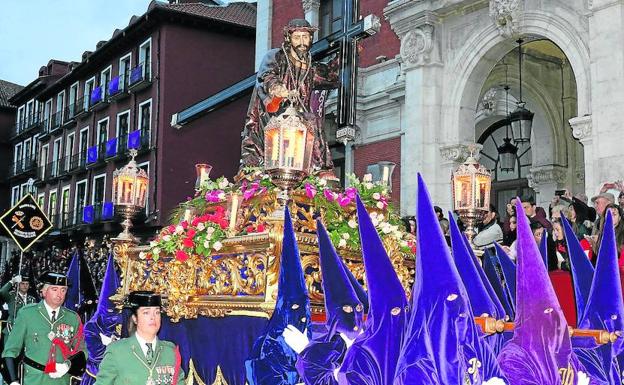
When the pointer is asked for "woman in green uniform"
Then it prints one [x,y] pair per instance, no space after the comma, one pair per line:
[142,358]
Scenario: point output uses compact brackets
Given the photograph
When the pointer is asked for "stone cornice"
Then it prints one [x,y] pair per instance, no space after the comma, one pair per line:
[548,174]
[458,152]
[581,127]
[311,5]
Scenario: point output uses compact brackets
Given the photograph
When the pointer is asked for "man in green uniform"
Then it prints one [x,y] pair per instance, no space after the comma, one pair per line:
[142,358]
[15,299]
[50,334]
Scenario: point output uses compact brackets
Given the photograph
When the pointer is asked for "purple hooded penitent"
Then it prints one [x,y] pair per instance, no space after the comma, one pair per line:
[540,351]
[272,361]
[344,307]
[604,310]
[582,270]
[105,321]
[373,357]
[509,273]
[442,343]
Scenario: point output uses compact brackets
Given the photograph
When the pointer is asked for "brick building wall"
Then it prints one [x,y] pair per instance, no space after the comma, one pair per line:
[385,150]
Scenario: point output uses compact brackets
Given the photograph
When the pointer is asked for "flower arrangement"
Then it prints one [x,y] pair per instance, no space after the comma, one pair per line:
[203,234]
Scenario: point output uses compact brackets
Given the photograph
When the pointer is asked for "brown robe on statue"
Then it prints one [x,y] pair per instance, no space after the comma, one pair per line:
[274,70]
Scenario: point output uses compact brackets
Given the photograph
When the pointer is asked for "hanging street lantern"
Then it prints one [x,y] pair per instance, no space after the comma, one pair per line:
[507,155]
[471,184]
[130,186]
[288,144]
[521,118]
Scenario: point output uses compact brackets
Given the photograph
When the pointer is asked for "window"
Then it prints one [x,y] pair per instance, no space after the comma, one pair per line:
[145,122]
[20,118]
[125,64]
[145,167]
[330,17]
[102,137]
[30,113]
[43,161]
[83,145]
[99,188]
[105,78]
[145,53]
[69,150]
[41,201]
[73,96]
[88,88]
[60,107]
[23,190]
[17,158]
[26,154]
[123,128]
[52,207]
[15,191]
[65,214]
[80,199]
[56,156]
[47,112]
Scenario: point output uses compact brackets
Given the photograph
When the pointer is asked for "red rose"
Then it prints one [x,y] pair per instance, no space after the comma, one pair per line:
[181,256]
[260,228]
[195,222]
[184,224]
[188,242]
[191,233]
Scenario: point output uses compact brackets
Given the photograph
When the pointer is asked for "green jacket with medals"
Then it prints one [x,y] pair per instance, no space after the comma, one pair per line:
[8,296]
[33,331]
[124,363]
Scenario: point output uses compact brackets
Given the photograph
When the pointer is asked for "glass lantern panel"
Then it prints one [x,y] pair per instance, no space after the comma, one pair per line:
[142,191]
[127,190]
[271,144]
[288,148]
[299,148]
[463,192]
[309,146]
[483,184]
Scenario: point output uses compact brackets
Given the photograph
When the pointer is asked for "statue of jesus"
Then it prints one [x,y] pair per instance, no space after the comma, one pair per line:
[288,75]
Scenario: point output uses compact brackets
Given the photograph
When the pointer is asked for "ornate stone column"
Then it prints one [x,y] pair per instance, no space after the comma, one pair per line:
[545,180]
[582,130]
[421,65]
[311,11]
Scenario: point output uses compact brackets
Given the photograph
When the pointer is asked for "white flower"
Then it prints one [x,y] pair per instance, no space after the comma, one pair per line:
[156,250]
[201,226]
[380,205]
[223,183]
[167,238]
[206,244]
[142,255]
[209,230]
[386,228]
[375,221]
[322,182]
[345,235]
[352,223]
[342,243]
[179,229]
[217,246]
[368,185]
[403,243]
[221,196]
[367,178]
[376,196]
[153,243]
[397,234]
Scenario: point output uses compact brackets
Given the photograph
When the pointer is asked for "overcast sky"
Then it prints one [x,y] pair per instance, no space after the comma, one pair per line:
[34,31]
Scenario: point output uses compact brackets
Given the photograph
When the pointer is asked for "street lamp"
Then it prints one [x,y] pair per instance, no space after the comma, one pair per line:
[471,192]
[130,186]
[521,119]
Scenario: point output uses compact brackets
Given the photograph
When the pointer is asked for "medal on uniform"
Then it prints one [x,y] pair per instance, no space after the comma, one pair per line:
[51,335]
[150,381]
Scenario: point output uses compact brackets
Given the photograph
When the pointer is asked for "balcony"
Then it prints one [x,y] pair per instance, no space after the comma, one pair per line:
[98,213]
[76,164]
[70,115]
[118,88]
[55,220]
[81,109]
[26,127]
[98,99]
[69,219]
[26,167]
[139,140]
[55,122]
[140,77]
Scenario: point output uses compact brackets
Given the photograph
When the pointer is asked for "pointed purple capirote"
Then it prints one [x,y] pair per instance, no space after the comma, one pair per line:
[605,306]
[480,300]
[543,248]
[373,357]
[509,272]
[442,340]
[345,312]
[541,343]
[582,270]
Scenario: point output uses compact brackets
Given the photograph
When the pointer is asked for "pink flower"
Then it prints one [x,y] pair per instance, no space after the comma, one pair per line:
[351,192]
[181,256]
[343,200]
[329,195]
[184,224]
[171,229]
[213,196]
[188,242]
[190,233]
[249,193]
[310,190]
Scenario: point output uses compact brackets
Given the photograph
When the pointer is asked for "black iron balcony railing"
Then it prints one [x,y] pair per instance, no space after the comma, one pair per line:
[118,87]
[54,220]
[140,76]
[26,165]
[70,113]
[68,219]
[81,107]
[98,98]
[26,125]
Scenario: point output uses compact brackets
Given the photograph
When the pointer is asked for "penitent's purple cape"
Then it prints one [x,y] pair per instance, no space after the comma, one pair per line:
[540,347]
[442,343]
[373,357]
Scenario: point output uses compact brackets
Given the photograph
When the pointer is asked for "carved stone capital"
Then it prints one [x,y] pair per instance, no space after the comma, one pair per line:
[547,174]
[460,151]
[419,47]
[581,127]
[311,5]
[506,15]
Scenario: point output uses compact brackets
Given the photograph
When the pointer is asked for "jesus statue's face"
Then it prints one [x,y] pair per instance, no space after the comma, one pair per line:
[300,44]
